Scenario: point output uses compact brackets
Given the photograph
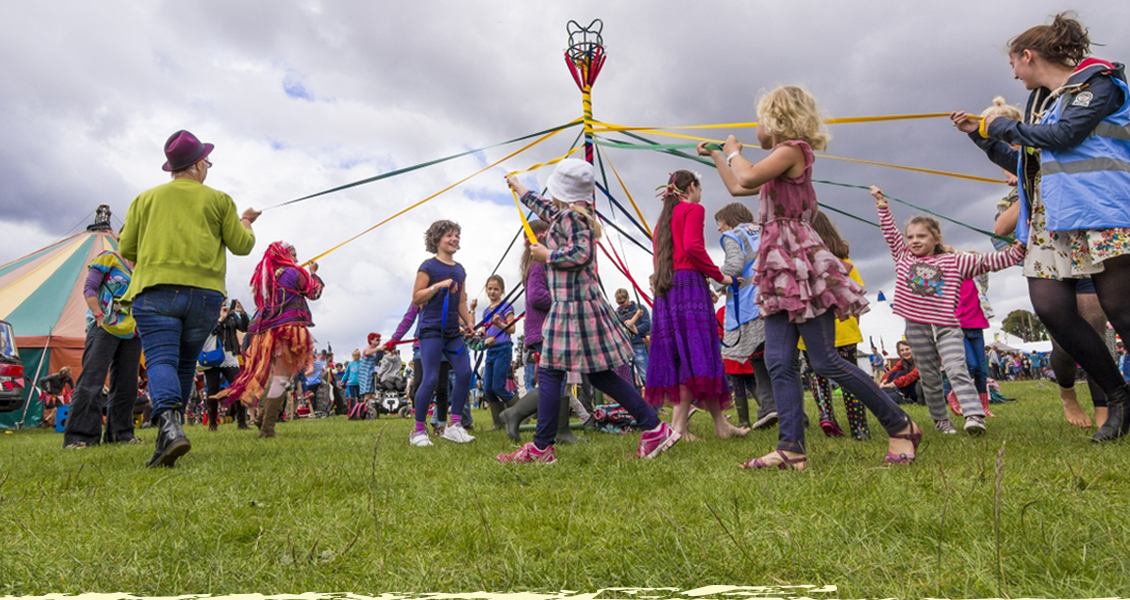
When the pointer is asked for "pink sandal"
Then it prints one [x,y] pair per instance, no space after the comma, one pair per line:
[788,464]
[903,459]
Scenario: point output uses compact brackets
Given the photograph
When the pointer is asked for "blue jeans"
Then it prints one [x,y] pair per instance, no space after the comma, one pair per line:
[531,377]
[975,358]
[173,321]
[496,373]
[431,352]
[781,337]
[639,358]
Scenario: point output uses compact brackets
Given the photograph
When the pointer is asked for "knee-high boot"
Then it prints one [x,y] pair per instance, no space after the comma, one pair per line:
[212,407]
[241,415]
[270,414]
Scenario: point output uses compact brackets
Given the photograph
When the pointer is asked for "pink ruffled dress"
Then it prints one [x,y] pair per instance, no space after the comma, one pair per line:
[795,271]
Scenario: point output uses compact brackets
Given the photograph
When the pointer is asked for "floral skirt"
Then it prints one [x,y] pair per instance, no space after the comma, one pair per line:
[290,344]
[686,360]
[1070,254]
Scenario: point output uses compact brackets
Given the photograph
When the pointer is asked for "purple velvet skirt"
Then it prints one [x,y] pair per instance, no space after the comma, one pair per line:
[685,362]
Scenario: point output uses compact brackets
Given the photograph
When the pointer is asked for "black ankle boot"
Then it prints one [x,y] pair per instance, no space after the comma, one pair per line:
[171,441]
[1117,421]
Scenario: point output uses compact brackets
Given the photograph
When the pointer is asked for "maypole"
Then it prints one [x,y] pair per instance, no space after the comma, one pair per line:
[585,57]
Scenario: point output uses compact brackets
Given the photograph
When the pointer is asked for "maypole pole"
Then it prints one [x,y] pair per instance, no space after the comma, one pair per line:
[585,57]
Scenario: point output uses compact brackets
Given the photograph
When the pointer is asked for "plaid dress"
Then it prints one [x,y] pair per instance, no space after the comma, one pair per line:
[580,333]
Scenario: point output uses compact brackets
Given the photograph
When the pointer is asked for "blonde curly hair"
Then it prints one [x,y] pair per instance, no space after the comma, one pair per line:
[791,113]
[1001,108]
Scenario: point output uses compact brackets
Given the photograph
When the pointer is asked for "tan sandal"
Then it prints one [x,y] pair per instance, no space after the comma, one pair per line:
[787,464]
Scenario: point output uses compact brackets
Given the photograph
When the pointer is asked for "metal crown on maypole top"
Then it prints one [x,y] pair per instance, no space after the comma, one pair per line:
[585,56]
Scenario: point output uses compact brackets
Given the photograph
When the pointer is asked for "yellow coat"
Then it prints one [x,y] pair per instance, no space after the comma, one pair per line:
[847,332]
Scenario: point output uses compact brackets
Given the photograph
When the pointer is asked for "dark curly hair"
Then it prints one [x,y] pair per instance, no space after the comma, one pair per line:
[436,232]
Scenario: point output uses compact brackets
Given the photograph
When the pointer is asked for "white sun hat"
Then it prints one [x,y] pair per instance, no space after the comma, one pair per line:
[571,181]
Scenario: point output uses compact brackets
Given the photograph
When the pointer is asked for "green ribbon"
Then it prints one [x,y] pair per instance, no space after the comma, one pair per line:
[429,163]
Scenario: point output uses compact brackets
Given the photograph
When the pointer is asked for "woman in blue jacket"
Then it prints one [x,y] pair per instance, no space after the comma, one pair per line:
[1073,164]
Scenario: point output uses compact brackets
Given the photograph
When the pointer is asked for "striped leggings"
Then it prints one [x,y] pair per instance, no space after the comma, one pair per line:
[934,344]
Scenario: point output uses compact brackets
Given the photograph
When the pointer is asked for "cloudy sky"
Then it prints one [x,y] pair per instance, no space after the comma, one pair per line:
[303,96]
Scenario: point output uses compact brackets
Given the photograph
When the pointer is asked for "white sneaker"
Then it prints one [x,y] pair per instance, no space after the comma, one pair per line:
[419,439]
[457,434]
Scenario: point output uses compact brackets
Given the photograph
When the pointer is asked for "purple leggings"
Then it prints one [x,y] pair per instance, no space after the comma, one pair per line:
[549,397]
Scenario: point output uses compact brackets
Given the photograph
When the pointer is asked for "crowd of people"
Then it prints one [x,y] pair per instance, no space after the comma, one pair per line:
[792,297]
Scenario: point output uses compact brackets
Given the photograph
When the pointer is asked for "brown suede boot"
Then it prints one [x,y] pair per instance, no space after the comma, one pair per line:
[270,412]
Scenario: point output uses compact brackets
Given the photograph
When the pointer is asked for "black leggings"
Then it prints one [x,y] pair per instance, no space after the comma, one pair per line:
[1055,303]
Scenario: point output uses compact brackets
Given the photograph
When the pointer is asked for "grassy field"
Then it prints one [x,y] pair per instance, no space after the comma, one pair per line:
[1030,509]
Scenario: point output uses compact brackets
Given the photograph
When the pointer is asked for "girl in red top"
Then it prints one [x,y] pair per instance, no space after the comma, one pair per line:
[686,359]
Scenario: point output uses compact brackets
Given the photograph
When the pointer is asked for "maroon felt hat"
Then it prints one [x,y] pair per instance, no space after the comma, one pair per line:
[183,150]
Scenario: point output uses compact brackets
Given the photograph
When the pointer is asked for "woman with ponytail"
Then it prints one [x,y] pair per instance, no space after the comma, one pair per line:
[1070,154]
[686,360]
[280,346]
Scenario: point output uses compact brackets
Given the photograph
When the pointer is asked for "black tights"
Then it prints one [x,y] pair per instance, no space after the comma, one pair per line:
[1055,304]
[1064,365]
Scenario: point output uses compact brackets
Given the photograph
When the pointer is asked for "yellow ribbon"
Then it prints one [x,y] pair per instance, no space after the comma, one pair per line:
[486,168]
[547,163]
[855,160]
[525,223]
[606,127]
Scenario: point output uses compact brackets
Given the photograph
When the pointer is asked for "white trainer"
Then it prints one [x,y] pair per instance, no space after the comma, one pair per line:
[419,439]
[457,434]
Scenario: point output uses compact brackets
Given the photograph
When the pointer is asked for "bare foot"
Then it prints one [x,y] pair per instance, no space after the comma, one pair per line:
[1072,410]
[686,436]
[791,461]
[727,431]
[1100,416]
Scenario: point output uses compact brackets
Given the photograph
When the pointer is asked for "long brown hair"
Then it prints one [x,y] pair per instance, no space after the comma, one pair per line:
[826,228]
[662,242]
[539,227]
[1064,42]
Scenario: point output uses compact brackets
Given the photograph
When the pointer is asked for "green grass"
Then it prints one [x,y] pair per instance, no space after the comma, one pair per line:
[334,505]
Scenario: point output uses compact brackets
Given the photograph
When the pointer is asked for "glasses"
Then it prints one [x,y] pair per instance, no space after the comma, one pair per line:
[208,162]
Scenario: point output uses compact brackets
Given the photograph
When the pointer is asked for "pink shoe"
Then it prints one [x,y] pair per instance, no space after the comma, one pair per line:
[529,454]
[654,442]
[831,429]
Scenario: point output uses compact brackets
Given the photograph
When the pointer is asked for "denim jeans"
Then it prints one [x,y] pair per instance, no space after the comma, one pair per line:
[639,358]
[819,334]
[104,352]
[531,374]
[975,358]
[174,321]
[496,373]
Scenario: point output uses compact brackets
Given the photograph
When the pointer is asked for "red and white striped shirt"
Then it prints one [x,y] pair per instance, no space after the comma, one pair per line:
[927,287]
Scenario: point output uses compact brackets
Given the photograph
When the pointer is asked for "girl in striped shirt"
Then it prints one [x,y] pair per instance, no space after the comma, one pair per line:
[928,280]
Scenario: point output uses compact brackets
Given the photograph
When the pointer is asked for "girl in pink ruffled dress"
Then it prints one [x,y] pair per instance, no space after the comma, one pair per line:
[802,287]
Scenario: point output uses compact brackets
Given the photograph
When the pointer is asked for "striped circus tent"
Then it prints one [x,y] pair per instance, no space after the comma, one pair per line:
[41,295]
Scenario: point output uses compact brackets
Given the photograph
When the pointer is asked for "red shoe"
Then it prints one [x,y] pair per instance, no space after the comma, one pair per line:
[955,406]
[985,404]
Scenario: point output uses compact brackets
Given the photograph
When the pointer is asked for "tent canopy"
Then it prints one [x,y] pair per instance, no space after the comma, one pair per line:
[41,295]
